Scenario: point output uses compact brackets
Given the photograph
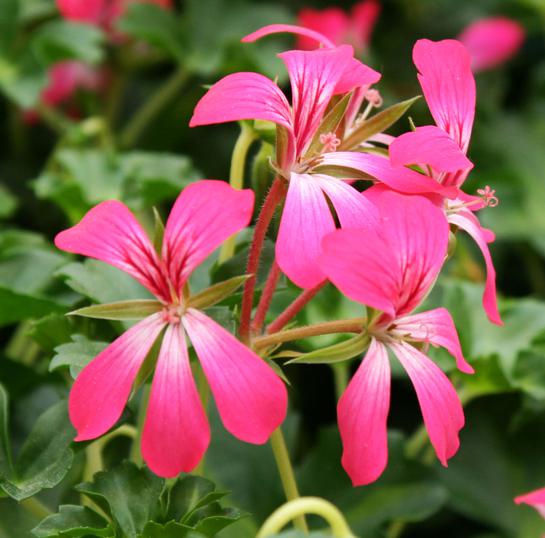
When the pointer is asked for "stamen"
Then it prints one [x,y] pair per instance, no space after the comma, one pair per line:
[330,141]
[489,196]
[374,97]
[171,314]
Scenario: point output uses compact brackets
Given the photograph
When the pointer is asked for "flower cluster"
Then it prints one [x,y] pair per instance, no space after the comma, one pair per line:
[372,214]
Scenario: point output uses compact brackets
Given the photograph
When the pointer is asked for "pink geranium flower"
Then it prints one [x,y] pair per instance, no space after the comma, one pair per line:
[316,77]
[449,88]
[102,13]
[250,397]
[492,41]
[535,499]
[390,265]
[340,27]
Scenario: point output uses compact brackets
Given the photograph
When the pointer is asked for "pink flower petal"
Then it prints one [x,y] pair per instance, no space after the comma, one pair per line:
[89,11]
[291,29]
[536,499]
[331,22]
[314,76]
[391,264]
[435,327]
[176,432]
[243,96]
[306,219]
[357,75]
[101,390]
[362,414]
[468,222]
[441,408]
[396,177]
[110,233]
[492,41]
[364,17]
[429,145]
[204,215]
[448,85]
[251,398]
[351,207]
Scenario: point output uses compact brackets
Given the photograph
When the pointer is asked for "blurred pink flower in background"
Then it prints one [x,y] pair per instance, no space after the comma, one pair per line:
[492,41]
[354,28]
[535,499]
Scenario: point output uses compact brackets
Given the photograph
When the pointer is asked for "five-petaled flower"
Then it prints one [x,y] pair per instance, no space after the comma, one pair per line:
[390,266]
[316,77]
[250,397]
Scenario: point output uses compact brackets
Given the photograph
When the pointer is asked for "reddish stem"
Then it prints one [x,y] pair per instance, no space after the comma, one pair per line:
[266,298]
[294,308]
[272,199]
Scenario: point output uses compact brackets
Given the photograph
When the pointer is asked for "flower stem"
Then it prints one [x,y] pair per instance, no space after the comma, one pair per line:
[354,325]
[35,507]
[272,199]
[294,308]
[306,505]
[145,115]
[287,476]
[266,298]
[236,179]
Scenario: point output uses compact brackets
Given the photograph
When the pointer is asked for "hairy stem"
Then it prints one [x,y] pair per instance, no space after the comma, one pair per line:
[287,476]
[266,298]
[236,179]
[294,308]
[146,114]
[306,505]
[272,199]
[327,327]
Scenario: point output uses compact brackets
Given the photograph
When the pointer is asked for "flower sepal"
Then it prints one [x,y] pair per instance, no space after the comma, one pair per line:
[348,349]
[216,293]
[122,310]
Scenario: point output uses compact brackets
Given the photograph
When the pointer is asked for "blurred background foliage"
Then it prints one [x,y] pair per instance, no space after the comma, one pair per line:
[130,141]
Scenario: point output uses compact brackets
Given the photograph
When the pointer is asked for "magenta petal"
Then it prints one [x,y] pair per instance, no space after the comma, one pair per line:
[352,208]
[435,327]
[429,145]
[110,233]
[331,22]
[441,408]
[362,414]
[251,399]
[101,390]
[448,85]
[89,11]
[492,41]
[306,219]
[291,29]
[243,96]
[357,75]
[467,221]
[204,215]
[314,76]
[536,499]
[176,432]
[398,178]
[364,17]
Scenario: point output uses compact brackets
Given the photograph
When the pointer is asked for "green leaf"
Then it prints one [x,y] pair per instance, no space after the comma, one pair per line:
[130,494]
[51,331]
[172,529]
[8,202]
[22,79]
[216,293]
[9,23]
[62,40]
[329,124]
[156,26]
[76,354]
[74,522]
[121,310]
[213,524]
[6,464]
[15,520]
[376,124]
[18,306]
[45,456]
[158,232]
[342,351]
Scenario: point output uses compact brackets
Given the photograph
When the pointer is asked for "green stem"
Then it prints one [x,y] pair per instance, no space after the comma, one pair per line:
[140,121]
[327,327]
[35,507]
[287,476]
[136,454]
[236,179]
[306,505]
[56,120]
[341,374]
